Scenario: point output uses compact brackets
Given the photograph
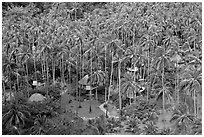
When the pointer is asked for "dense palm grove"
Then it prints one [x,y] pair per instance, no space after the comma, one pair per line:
[144,58]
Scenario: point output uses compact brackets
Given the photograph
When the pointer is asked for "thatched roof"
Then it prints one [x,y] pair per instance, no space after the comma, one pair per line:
[84,80]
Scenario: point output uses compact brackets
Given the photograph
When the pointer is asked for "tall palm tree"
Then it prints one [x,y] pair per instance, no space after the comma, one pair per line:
[9,70]
[45,51]
[25,55]
[176,58]
[97,78]
[119,58]
[54,51]
[147,43]
[192,82]
[129,88]
[162,61]
[165,92]
[111,76]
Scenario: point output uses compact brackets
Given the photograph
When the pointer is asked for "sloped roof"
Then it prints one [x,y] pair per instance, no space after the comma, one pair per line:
[84,80]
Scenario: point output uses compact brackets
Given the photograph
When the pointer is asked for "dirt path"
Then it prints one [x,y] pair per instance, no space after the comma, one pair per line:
[68,102]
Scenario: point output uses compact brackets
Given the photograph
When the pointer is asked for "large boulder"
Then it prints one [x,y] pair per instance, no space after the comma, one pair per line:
[36,98]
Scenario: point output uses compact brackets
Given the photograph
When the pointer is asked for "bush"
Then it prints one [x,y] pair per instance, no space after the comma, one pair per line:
[141,110]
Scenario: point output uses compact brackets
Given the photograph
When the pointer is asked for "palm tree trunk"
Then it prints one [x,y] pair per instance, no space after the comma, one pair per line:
[96,94]
[175,93]
[41,65]
[163,88]
[194,100]
[26,78]
[197,106]
[141,72]
[120,100]
[11,97]
[47,76]
[105,78]
[53,70]
[77,79]
[63,80]
[34,60]
[110,75]
[4,91]
[17,81]
[70,81]
[148,66]
[176,85]
[90,109]
[80,74]
[134,93]
[45,70]
[61,69]
[144,73]
[35,69]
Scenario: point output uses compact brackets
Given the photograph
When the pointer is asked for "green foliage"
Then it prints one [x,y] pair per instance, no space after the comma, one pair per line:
[141,110]
[40,126]
[15,116]
[183,119]
[162,39]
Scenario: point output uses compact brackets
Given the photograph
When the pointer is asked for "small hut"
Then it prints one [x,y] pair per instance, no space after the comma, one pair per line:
[83,82]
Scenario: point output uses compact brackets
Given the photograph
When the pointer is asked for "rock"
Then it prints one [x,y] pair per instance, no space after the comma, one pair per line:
[36,98]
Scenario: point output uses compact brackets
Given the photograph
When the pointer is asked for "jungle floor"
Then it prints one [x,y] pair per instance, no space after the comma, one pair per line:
[81,107]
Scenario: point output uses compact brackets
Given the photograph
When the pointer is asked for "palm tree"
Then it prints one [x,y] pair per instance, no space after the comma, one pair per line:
[162,61]
[40,124]
[118,57]
[15,116]
[119,60]
[111,76]
[129,87]
[9,70]
[197,127]
[176,59]
[165,92]
[62,54]
[54,52]
[97,78]
[147,43]
[192,82]
[45,51]
[25,55]
[182,118]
